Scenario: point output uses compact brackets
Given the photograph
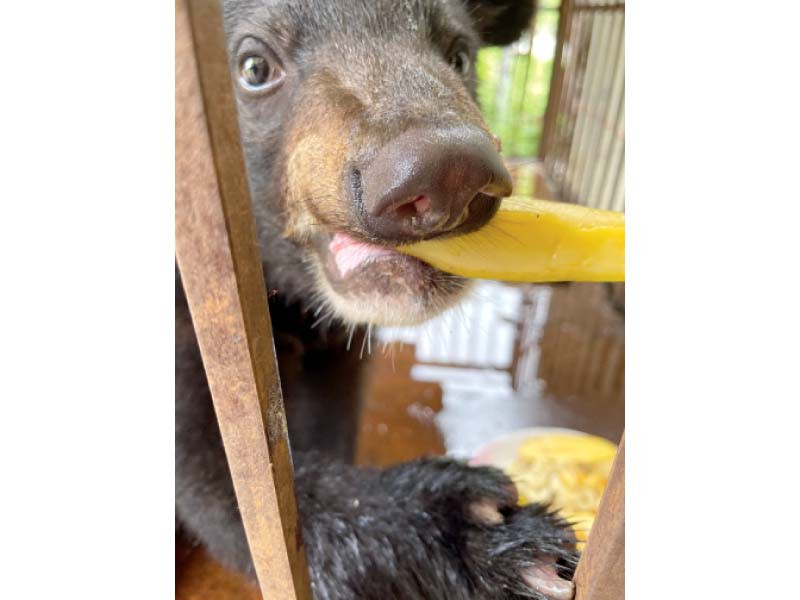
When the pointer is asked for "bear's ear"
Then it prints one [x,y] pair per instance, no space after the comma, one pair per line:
[500,22]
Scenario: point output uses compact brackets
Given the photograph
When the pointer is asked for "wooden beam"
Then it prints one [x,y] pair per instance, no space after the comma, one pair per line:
[222,275]
[601,572]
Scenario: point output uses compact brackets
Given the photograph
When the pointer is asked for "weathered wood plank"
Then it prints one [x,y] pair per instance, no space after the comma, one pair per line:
[601,571]
[221,271]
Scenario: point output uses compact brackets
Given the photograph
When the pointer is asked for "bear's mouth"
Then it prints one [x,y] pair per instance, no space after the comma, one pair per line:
[353,264]
[350,254]
[372,283]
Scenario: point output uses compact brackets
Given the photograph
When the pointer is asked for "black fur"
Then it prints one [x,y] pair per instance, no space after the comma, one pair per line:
[501,22]
[404,532]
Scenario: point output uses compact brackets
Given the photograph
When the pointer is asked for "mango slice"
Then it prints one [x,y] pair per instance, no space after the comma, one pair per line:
[534,241]
[568,471]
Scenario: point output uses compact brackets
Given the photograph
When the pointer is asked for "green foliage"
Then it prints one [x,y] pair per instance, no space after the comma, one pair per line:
[513,87]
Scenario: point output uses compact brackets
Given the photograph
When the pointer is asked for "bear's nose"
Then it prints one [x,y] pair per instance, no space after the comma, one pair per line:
[430,181]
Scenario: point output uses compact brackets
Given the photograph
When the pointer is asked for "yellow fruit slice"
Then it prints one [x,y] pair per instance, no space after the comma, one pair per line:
[567,471]
[534,241]
[577,448]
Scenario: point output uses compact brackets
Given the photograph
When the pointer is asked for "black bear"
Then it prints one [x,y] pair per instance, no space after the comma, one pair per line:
[361,132]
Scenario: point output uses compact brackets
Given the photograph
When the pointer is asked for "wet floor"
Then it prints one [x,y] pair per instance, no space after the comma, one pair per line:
[487,368]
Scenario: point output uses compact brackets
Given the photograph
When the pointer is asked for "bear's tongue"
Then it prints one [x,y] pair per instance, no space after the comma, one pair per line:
[350,253]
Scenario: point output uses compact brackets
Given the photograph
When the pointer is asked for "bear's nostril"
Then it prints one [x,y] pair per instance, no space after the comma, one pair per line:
[422,204]
[414,207]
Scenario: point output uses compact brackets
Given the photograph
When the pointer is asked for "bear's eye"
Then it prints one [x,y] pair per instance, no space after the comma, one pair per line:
[460,59]
[255,70]
[257,73]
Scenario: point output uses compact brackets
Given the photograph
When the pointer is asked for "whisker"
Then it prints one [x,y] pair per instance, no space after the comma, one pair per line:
[321,319]
[363,343]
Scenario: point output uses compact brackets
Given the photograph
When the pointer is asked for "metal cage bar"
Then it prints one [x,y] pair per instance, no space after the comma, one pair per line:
[601,572]
[222,276]
[583,143]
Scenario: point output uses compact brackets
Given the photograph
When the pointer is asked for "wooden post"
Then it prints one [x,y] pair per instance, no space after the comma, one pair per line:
[601,572]
[221,270]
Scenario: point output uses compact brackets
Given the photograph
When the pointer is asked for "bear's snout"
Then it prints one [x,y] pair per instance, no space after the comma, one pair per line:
[428,181]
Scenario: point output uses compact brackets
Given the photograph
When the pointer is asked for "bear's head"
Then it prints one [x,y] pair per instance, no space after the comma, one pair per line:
[361,133]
